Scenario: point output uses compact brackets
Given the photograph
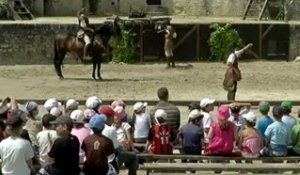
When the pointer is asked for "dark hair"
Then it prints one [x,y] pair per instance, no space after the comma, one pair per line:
[78,125]
[47,118]
[235,109]
[264,112]
[224,125]
[286,111]
[251,124]
[163,93]
[97,131]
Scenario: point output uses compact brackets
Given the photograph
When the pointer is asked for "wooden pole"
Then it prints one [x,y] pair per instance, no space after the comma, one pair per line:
[185,37]
[198,43]
[260,39]
[141,43]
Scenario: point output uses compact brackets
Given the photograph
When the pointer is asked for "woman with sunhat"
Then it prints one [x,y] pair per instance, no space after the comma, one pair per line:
[222,134]
[250,142]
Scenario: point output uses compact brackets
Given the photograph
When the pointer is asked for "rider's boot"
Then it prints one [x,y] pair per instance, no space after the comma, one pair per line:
[168,62]
[85,53]
[172,61]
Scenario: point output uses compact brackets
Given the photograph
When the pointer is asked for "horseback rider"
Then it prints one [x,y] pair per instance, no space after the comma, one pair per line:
[85,32]
[169,45]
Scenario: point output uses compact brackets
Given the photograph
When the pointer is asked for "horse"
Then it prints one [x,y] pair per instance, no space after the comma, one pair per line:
[64,43]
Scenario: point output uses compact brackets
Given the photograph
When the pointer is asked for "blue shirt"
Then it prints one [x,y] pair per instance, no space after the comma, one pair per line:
[191,135]
[262,125]
[277,133]
[290,122]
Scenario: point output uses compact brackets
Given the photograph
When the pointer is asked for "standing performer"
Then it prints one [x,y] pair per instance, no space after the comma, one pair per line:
[233,73]
[85,32]
[169,44]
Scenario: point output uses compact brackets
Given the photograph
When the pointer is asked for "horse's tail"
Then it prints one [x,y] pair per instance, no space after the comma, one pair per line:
[55,51]
[57,61]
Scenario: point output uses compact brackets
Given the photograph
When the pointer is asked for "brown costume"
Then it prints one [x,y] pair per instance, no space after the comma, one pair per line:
[232,76]
[169,45]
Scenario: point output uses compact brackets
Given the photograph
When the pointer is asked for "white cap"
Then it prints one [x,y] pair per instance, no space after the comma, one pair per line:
[250,117]
[77,116]
[50,103]
[195,114]
[55,111]
[4,108]
[139,106]
[72,104]
[89,113]
[206,101]
[92,102]
[160,113]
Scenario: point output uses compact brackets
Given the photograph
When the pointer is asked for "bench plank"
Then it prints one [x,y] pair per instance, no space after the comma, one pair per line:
[215,158]
[161,167]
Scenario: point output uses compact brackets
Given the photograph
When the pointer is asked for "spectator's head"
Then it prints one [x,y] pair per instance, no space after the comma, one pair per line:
[223,115]
[77,117]
[109,113]
[139,107]
[97,123]
[71,105]
[207,104]
[118,102]
[160,116]
[50,103]
[63,125]
[287,107]
[15,121]
[93,102]
[277,112]
[88,114]
[119,115]
[235,110]
[264,107]
[32,108]
[194,105]
[250,119]
[55,111]
[163,94]
[47,119]
[195,116]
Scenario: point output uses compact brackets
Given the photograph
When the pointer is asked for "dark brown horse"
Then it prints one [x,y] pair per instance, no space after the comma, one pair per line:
[65,43]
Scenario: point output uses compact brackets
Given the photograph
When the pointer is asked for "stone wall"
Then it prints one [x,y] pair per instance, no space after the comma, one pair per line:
[230,8]
[29,44]
[294,49]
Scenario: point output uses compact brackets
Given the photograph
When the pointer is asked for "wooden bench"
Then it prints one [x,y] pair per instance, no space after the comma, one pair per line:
[153,157]
[220,167]
[217,164]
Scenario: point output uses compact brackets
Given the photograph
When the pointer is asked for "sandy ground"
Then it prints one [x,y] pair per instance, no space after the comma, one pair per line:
[261,80]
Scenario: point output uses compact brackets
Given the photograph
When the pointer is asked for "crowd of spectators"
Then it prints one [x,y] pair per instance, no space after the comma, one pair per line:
[102,138]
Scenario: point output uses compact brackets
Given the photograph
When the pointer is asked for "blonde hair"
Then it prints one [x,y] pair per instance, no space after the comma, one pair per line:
[224,125]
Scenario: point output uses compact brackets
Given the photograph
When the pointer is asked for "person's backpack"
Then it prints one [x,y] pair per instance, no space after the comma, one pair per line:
[162,140]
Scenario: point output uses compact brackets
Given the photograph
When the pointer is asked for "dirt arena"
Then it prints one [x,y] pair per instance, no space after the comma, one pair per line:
[261,80]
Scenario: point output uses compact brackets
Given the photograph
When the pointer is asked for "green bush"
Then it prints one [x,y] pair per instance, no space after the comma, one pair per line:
[124,48]
[221,40]
[3,8]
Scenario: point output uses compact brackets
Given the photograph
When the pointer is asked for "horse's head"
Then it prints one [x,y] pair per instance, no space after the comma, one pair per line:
[109,29]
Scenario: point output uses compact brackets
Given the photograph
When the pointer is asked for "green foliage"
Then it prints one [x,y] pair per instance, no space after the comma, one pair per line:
[221,40]
[124,48]
[281,11]
[3,8]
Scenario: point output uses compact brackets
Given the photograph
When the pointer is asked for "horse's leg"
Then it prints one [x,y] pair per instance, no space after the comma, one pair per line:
[94,69]
[99,69]
[58,63]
